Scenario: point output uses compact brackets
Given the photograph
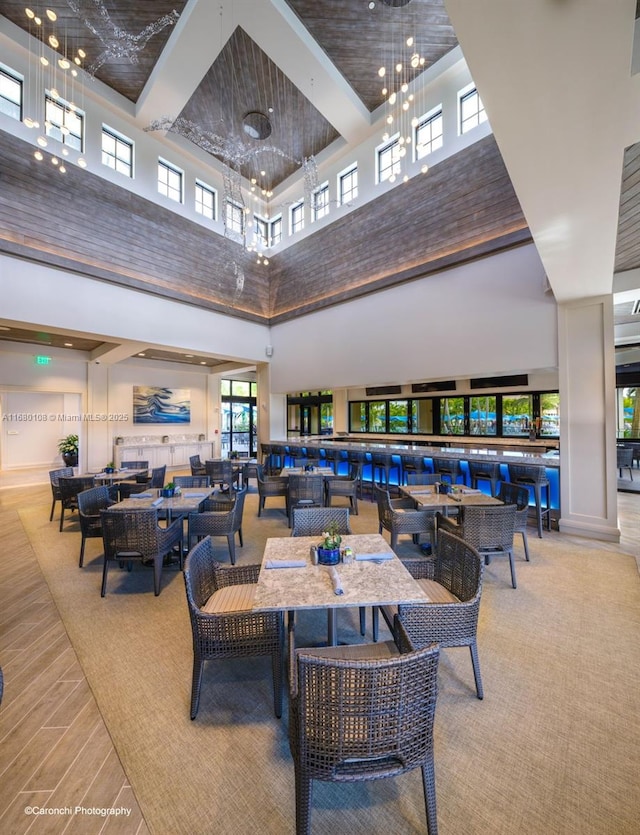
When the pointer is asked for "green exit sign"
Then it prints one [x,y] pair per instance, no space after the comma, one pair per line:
[43,360]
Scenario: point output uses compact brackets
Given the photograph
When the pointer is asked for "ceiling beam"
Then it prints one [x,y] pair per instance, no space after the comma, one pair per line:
[278,31]
[112,354]
[194,44]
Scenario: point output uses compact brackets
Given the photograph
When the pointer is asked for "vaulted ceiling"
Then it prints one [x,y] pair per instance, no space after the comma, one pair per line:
[311,66]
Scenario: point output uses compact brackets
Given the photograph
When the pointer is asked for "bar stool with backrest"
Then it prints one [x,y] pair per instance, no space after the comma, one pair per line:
[624,460]
[448,468]
[412,463]
[534,478]
[486,471]
[382,464]
[357,458]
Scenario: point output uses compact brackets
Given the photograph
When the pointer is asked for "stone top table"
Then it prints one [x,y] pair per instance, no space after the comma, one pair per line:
[188,501]
[365,582]
[426,496]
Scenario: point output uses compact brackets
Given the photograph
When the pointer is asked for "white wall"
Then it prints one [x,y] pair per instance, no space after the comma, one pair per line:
[486,318]
[58,299]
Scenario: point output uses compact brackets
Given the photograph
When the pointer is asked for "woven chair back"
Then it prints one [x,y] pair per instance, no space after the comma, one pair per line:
[490,527]
[314,521]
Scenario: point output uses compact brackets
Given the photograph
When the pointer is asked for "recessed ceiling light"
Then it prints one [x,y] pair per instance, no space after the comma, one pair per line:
[142,355]
[3,328]
[189,356]
[202,362]
[68,344]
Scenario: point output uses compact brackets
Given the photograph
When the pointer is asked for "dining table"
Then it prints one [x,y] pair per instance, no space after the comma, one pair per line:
[290,581]
[188,501]
[427,497]
[116,476]
[316,471]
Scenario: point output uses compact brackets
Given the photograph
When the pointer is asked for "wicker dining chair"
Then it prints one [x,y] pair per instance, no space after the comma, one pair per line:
[272,486]
[90,503]
[343,487]
[399,517]
[196,465]
[219,523]
[488,529]
[519,496]
[70,486]
[453,584]
[313,521]
[362,712]
[54,479]
[305,491]
[423,478]
[220,471]
[223,624]
[190,481]
[135,534]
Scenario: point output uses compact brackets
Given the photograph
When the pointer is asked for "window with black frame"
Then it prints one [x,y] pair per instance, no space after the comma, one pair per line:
[486,415]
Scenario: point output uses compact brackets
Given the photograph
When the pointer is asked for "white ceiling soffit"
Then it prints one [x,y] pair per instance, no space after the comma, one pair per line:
[554,76]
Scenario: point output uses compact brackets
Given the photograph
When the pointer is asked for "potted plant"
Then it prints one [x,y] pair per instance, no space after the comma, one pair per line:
[168,490]
[68,448]
[109,468]
[329,548]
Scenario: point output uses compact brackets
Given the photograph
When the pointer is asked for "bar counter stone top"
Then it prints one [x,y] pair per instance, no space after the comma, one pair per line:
[479,453]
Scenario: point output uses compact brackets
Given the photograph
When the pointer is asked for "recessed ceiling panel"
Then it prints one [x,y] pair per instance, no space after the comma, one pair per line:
[245,80]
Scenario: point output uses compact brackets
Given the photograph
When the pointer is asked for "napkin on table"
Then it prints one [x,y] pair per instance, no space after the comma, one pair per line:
[141,496]
[384,555]
[157,501]
[285,563]
[335,579]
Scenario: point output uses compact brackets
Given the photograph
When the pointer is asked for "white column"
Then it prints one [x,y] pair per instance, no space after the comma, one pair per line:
[588,479]
[340,411]
[100,434]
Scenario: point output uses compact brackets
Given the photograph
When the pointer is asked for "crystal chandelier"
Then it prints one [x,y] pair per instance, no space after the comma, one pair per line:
[403,64]
[52,70]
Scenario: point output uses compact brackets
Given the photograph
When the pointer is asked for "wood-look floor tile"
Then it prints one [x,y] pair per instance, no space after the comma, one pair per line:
[63,754]
[24,694]
[18,728]
[25,763]
[15,820]
[75,702]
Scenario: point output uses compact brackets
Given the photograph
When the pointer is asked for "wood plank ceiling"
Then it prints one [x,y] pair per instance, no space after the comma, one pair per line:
[357,40]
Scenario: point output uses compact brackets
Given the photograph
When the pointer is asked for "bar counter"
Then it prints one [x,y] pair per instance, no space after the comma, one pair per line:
[549,460]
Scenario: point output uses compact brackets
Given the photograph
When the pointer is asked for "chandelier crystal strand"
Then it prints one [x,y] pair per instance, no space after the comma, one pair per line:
[116,42]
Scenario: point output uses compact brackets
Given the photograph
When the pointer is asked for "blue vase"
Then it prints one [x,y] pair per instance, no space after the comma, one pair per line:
[328,556]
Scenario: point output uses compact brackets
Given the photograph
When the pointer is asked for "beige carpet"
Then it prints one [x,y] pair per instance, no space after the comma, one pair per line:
[553,748]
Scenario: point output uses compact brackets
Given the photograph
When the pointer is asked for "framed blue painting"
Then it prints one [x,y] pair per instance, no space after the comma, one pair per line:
[153,404]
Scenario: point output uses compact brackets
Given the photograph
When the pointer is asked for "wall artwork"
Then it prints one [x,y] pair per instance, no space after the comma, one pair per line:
[152,404]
